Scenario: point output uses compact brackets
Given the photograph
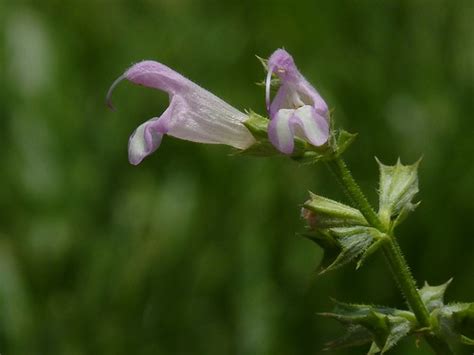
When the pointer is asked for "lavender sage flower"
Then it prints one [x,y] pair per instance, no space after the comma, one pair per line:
[194,114]
[297,109]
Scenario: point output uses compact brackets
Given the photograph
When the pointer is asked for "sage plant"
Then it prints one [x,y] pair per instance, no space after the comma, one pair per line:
[300,127]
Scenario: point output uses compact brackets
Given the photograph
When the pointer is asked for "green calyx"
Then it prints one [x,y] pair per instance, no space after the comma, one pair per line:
[341,231]
[331,213]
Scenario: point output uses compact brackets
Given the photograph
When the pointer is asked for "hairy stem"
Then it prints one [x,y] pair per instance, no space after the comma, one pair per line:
[354,193]
[391,250]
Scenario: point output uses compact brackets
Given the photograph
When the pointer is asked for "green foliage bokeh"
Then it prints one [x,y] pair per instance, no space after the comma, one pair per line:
[194,251]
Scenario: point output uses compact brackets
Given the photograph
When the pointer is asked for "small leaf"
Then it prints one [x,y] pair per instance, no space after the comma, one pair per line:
[352,247]
[433,296]
[379,325]
[348,231]
[370,250]
[398,186]
[345,226]
[274,82]
[387,329]
[464,320]
[263,61]
[374,349]
[385,325]
[340,230]
[353,312]
[404,213]
[344,141]
[331,247]
[455,323]
[399,328]
[466,340]
[355,335]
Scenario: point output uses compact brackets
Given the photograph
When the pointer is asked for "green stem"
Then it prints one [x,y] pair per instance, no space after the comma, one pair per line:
[405,281]
[391,251]
[354,193]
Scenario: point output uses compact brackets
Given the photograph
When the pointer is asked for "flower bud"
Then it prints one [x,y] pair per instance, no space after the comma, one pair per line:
[326,213]
[310,218]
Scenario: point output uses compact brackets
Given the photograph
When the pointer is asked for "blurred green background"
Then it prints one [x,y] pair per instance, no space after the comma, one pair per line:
[194,251]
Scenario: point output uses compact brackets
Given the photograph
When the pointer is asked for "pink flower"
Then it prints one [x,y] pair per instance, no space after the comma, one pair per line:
[297,109]
[194,114]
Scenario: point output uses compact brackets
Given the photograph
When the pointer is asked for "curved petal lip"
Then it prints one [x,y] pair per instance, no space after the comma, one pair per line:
[193,114]
[281,131]
[144,141]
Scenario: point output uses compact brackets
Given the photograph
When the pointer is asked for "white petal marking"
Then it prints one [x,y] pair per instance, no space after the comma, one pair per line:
[315,128]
